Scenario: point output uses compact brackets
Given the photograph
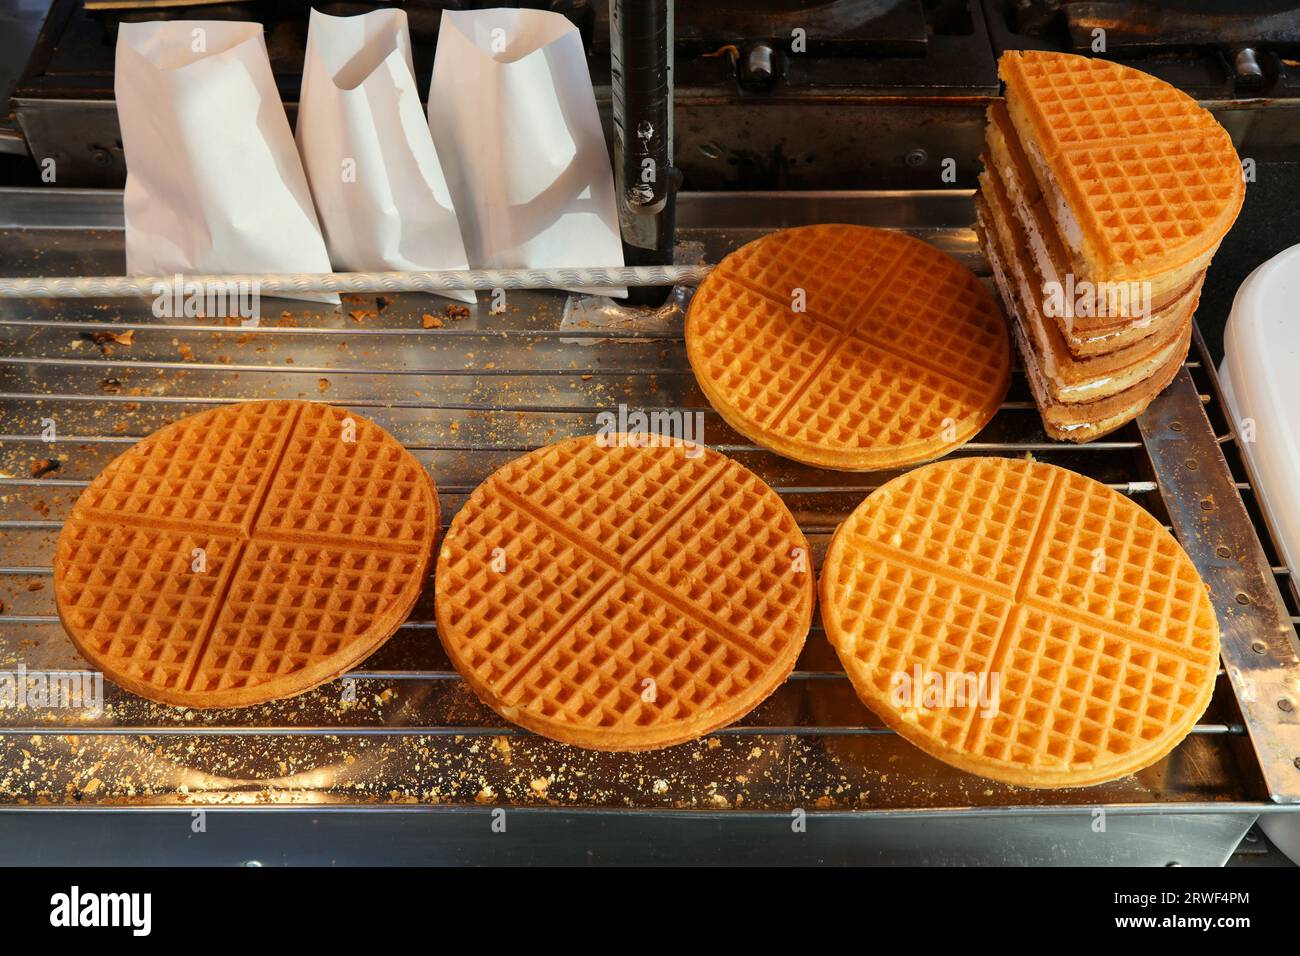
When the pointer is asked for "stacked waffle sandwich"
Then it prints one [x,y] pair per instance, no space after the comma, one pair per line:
[1104,195]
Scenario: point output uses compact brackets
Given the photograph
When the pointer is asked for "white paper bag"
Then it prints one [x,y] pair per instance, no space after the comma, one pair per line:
[514,118]
[214,184]
[365,144]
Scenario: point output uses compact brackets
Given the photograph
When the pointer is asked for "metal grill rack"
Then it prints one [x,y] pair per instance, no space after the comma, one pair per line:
[398,762]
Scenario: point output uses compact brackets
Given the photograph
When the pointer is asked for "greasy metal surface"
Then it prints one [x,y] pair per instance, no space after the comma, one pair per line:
[466,396]
[1259,644]
[20,22]
[397,836]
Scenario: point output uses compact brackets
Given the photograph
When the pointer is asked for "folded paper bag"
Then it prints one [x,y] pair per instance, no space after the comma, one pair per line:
[214,183]
[374,173]
[514,119]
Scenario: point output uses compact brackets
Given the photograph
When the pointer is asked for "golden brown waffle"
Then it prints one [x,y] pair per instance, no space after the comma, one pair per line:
[1105,328]
[1069,379]
[1078,401]
[1149,180]
[1080,422]
[1092,618]
[900,356]
[623,598]
[245,554]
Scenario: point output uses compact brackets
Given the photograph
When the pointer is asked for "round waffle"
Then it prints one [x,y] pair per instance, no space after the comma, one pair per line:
[849,348]
[1020,622]
[623,594]
[1151,178]
[245,554]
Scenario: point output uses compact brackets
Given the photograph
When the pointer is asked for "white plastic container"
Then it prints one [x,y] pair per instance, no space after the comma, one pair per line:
[1260,375]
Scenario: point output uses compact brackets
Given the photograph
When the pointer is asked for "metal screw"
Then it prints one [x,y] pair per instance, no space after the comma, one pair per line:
[916,157]
[640,194]
[1296,762]
[1207,504]
[1246,68]
[253,863]
[1223,551]
[1259,647]
[759,66]
[1243,598]
[1192,464]
[101,158]
[711,150]
[1285,705]
[1176,426]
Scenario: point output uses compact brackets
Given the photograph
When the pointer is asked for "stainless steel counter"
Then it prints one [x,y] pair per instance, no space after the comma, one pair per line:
[414,768]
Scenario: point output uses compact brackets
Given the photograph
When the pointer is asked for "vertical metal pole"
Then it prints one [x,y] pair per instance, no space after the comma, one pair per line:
[642,60]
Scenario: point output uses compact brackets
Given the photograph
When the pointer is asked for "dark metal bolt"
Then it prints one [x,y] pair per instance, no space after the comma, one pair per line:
[640,194]
[1259,647]
[759,66]
[1223,551]
[916,157]
[1243,598]
[1246,69]
[1285,705]
[1176,426]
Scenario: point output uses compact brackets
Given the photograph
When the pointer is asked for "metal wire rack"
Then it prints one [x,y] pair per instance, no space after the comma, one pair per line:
[402,734]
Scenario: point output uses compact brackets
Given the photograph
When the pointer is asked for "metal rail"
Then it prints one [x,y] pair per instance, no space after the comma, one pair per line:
[289,284]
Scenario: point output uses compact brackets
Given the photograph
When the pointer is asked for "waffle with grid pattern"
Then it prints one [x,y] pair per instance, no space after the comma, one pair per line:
[848,347]
[1079,399]
[1073,378]
[1076,402]
[1101,325]
[623,592]
[1020,622]
[245,554]
[1144,182]
[1104,196]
